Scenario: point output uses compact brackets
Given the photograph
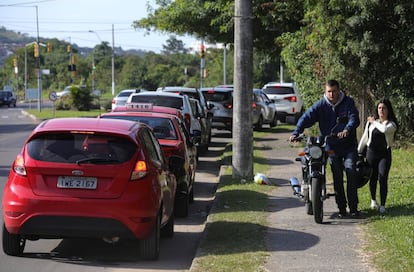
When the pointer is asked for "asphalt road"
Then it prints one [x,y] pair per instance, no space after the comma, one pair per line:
[82,255]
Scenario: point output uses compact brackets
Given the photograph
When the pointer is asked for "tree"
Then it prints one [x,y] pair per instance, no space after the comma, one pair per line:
[174,46]
[366,45]
[133,73]
[213,20]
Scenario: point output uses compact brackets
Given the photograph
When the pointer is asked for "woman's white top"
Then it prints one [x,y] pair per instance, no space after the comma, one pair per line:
[387,127]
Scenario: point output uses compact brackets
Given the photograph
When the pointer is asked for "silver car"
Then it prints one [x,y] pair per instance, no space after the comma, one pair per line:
[121,98]
[288,100]
[264,110]
[220,103]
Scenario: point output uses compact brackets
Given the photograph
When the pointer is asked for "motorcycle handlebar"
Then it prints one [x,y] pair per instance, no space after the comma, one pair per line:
[298,138]
[302,136]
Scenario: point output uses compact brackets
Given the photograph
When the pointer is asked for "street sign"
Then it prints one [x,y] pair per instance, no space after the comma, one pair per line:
[52,96]
[32,94]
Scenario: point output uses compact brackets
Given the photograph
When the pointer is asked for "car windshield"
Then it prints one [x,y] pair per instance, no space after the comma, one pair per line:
[124,94]
[164,101]
[279,90]
[163,128]
[3,94]
[80,148]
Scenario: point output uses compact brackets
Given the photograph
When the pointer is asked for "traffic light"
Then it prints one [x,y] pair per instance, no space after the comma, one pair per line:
[14,62]
[69,49]
[36,50]
[202,51]
[49,47]
[72,65]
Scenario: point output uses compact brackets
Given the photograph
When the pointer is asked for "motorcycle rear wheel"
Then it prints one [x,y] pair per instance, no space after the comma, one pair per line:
[317,203]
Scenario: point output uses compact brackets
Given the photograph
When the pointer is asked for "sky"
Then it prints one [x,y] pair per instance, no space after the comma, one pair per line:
[86,22]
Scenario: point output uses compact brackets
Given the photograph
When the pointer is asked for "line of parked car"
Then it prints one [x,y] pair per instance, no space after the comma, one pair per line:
[125,174]
[275,101]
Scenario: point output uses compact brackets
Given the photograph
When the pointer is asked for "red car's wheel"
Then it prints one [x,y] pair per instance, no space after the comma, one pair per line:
[13,244]
[150,247]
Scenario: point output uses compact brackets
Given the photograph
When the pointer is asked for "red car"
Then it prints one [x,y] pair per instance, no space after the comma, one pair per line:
[90,177]
[171,134]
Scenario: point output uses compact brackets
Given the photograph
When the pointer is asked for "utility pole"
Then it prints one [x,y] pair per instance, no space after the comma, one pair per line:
[225,64]
[39,72]
[93,59]
[242,161]
[113,61]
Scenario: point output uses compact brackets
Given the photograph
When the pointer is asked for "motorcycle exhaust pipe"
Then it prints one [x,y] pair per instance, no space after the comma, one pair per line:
[294,182]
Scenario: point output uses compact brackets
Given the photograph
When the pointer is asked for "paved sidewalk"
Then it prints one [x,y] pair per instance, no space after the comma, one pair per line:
[295,242]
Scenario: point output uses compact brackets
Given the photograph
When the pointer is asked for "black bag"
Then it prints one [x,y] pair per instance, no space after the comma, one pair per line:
[363,171]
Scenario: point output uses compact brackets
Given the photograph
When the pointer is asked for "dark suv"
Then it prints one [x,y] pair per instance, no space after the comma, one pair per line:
[7,98]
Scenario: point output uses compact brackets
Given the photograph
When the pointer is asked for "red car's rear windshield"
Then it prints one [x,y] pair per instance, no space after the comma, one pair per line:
[85,148]
[162,127]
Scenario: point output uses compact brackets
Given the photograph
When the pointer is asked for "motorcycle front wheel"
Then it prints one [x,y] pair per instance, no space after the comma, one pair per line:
[317,203]
[309,209]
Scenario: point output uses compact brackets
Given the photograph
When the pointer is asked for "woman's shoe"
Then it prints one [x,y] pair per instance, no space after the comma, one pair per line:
[374,204]
[382,209]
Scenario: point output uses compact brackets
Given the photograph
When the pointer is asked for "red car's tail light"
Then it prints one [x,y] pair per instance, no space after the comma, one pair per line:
[228,106]
[140,170]
[18,166]
[291,98]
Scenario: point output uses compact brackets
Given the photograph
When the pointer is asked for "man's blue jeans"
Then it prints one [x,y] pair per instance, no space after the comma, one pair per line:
[340,163]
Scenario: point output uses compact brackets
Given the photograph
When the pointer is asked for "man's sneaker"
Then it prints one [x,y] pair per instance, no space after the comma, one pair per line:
[374,204]
[382,209]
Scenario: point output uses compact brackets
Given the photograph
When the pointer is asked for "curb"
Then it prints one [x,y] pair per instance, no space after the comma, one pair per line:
[198,254]
[31,116]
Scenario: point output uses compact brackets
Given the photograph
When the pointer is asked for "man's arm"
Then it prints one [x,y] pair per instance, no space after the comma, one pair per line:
[307,120]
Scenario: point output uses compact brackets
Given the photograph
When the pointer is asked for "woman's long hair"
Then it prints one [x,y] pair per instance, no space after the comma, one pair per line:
[391,115]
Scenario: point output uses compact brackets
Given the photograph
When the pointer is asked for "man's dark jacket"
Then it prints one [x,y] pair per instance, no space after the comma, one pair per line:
[326,114]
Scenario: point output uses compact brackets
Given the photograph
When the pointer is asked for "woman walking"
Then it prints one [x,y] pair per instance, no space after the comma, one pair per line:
[378,137]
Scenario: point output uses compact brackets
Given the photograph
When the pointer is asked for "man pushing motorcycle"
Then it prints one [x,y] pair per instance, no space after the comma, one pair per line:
[333,105]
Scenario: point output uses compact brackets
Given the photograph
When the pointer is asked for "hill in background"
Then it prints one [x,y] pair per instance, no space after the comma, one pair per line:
[10,41]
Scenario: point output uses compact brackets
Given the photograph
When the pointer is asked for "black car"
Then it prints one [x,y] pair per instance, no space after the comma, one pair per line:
[7,98]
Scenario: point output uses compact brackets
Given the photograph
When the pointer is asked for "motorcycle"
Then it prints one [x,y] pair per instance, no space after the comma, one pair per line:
[312,189]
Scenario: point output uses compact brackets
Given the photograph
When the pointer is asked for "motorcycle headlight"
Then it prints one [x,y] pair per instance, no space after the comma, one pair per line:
[315,152]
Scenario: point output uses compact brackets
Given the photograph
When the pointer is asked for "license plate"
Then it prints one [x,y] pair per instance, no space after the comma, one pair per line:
[77,182]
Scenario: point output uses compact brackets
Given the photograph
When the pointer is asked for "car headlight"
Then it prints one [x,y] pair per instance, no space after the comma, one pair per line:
[315,152]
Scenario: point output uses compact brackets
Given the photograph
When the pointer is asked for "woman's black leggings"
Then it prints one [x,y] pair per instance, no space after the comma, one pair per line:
[381,164]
